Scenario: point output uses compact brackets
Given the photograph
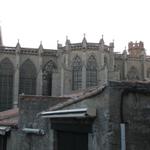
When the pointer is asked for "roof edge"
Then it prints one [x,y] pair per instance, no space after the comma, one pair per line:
[76,99]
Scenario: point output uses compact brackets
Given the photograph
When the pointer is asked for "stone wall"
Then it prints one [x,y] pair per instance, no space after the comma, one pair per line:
[30,106]
[99,137]
[129,103]
[120,102]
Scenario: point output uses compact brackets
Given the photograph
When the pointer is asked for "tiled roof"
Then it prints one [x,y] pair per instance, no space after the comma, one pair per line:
[79,96]
[83,94]
[9,117]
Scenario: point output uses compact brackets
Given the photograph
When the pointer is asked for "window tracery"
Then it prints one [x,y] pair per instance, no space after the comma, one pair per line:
[76,73]
[6,84]
[48,71]
[91,72]
[27,84]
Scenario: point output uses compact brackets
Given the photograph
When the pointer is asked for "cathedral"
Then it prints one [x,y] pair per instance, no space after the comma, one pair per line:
[69,68]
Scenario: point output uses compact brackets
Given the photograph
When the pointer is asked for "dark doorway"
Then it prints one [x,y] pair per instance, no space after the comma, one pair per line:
[3,142]
[72,141]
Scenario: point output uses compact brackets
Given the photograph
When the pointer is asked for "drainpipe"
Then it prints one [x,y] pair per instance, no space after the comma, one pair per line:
[133,89]
[122,123]
[123,138]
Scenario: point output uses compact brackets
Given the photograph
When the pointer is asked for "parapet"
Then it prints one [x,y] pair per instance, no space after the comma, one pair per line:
[136,49]
[136,45]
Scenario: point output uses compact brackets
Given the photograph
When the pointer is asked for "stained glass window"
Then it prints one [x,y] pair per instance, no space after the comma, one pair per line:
[6,84]
[27,78]
[91,72]
[48,70]
[76,73]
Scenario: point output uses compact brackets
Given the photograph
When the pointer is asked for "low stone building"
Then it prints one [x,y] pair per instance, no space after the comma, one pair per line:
[107,117]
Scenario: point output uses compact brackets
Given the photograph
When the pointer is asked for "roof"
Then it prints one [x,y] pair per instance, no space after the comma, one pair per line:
[79,96]
[9,117]
[87,93]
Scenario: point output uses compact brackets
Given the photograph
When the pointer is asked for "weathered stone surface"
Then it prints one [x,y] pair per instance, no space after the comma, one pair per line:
[105,127]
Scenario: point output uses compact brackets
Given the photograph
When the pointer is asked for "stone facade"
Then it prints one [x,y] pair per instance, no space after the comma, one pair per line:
[75,66]
[115,103]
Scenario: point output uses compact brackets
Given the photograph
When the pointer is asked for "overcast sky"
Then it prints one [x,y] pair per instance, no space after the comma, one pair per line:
[50,20]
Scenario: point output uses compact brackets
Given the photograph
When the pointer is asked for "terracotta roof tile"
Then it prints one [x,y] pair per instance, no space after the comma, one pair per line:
[76,97]
[9,117]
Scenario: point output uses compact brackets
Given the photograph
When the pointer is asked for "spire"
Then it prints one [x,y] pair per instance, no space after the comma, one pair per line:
[18,44]
[67,44]
[40,48]
[84,38]
[102,40]
[101,44]
[18,47]
[84,42]
[41,45]
[59,46]
[67,41]
[125,53]
[1,41]
[111,45]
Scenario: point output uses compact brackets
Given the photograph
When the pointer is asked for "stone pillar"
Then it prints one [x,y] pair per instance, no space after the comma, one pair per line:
[62,81]
[83,77]
[63,63]
[39,86]
[111,55]
[125,69]
[16,86]
[84,71]
[16,77]
[101,50]
[105,74]
[144,71]
[39,83]
[144,76]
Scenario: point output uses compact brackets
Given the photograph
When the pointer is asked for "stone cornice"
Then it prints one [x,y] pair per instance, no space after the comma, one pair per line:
[89,46]
[27,51]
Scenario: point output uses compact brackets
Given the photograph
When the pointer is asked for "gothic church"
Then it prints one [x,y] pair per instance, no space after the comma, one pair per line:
[69,68]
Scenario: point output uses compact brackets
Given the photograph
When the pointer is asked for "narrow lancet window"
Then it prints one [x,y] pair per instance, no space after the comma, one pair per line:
[28,74]
[76,73]
[91,72]
[6,84]
[48,71]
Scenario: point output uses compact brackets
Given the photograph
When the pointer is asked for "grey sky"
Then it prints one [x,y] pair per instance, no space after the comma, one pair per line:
[50,20]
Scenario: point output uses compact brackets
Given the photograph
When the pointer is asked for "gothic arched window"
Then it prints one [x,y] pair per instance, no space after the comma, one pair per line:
[6,84]
[76,73]
[48,70]
[28,74]
[133,74]
[91,72]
